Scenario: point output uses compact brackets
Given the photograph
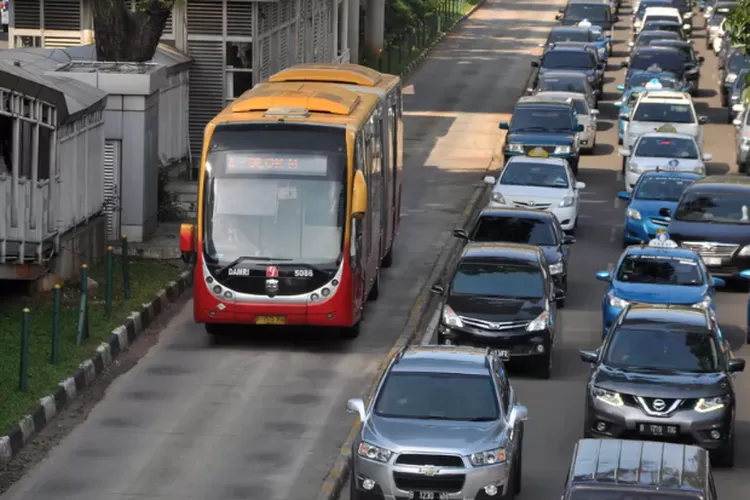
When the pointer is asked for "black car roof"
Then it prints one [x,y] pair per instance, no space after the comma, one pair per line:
[644,464]
[657,316]
[517,212]
[498,250]
[726,183]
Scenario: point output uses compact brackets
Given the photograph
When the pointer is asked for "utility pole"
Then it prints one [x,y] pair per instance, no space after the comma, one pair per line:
[352,29]
[374,27]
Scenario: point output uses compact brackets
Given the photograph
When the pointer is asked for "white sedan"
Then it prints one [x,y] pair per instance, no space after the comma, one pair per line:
[538,183]
[665,152]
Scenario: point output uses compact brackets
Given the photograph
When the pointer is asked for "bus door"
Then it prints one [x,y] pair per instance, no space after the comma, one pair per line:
[383,131]
[357,249]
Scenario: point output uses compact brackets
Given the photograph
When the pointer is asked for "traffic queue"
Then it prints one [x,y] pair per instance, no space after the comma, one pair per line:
[660,399]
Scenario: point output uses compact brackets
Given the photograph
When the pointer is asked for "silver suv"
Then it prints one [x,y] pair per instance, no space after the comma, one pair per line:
[444,424]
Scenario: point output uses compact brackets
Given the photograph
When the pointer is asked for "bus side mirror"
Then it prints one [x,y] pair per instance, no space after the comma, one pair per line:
[187,238]
[359,196]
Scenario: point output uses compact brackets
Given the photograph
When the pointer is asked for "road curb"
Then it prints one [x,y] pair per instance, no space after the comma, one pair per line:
[119,341]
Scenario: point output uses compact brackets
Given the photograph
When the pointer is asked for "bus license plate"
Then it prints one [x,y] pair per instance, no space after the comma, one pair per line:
[428,495]
[270,320]
[712,261]
[658,430]
[504,354]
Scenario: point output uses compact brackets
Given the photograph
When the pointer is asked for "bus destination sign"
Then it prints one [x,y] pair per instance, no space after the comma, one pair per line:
[277,164]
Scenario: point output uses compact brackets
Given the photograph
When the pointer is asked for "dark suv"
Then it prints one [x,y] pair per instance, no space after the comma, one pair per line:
[664,373]
[502,295]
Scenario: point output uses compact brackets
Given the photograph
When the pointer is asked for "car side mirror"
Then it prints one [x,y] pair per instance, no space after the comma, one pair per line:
[594,112]
[702,120]
[529,90]
[701,59]
[558,17]
[617,104]
[580,128]
[580,185]
[624,152]
[665,212]
[488,179]
[357,406]
[604,276]
[736,365]
[437,289]
[745,274]
[623,195]
[589,356]
[568,239]
[630,44]
[601,66]
[187,241]
[737,122]
[624,117]
[460,233]
[519,413]
[708,157]
[534,64]
[504,126]
[687,27]
[717,282]
[620,87]
[738,108]
[624,64]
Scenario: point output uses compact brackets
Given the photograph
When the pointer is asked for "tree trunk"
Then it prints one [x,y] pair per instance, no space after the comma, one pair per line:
[125,36]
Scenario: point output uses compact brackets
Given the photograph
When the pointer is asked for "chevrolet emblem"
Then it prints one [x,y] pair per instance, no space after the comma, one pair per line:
[429,470]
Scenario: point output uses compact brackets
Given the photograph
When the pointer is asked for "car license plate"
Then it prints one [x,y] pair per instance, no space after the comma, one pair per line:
[712,261]
[270,320]
[504,354]
[428,495]
[658,430]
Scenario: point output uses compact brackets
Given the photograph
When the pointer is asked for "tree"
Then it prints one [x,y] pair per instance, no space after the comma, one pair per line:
[129,36]
[403,15]
[738,24]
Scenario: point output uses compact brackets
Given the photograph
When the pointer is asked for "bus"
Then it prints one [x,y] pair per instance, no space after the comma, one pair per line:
[293,207]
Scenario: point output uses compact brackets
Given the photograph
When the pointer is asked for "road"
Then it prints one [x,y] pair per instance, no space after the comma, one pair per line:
[264,418]
[556,406]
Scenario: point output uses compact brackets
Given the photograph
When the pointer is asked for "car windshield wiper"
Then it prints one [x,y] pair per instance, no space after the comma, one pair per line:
[245,258]
[650,369]
[481,419]
[531,129]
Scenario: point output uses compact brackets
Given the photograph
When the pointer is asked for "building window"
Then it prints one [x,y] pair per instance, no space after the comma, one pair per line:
[239,69]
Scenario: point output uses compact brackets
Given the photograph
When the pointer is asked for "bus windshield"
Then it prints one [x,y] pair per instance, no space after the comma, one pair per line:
[275,192]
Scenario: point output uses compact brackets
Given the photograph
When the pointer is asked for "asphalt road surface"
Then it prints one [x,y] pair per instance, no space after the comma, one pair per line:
[263,417]
[556,406]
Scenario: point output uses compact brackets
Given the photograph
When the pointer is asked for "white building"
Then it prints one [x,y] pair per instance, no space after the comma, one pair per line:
[234,43]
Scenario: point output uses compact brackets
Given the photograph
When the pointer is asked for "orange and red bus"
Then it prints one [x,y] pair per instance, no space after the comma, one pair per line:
[299,200]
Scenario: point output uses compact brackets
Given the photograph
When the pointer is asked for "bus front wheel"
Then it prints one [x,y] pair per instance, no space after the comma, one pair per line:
[351,332]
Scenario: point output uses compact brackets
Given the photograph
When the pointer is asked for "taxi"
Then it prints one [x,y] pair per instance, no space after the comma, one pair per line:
[652,192]
[538,182]
[663,151]
[661,272]
[639,82]
[662,111]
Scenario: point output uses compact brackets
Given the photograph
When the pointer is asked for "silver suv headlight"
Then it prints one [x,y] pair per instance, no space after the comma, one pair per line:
[539,323]
[609,397]
[489,457]
[706,405]
[373,452]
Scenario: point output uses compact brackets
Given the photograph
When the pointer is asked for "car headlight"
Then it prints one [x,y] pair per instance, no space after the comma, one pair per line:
[556,268]
[617,302]
[731,77]
[490,457]
[373,452]
[734,98]
[498,198]
[700,170]
[591,78]
[634,214]
[703,304]
[692,70]
[610,397]
[562,150]
[515,148]
[745,251]
[539,323]
[635,168]
[450,318]
[566,202]
[706,405]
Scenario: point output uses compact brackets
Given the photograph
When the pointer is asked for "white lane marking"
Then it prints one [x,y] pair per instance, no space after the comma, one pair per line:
[613,234]
[431,328]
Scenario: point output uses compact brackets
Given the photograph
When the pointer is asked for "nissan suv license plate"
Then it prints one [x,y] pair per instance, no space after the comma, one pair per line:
[428,495]
[658,430]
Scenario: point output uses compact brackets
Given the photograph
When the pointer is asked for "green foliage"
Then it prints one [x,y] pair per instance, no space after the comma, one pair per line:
[738,24]
[402,15]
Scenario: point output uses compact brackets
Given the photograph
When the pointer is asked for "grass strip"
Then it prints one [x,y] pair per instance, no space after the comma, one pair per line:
[146,278]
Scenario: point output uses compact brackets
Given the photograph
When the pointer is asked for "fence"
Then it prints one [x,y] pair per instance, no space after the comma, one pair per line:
[406,46]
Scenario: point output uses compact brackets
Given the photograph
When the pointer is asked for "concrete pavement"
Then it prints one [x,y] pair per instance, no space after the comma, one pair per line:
[262,417]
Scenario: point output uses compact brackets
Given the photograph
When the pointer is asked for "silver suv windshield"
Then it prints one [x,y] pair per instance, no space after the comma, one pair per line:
[438,396]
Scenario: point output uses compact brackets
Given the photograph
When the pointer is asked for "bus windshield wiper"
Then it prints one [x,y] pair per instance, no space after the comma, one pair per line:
[248,258]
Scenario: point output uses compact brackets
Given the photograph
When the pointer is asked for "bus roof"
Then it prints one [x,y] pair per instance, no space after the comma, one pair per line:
[300,102]
[347,74]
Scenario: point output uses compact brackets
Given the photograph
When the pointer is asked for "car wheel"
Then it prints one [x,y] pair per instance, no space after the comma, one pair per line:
[544,368]
[375,290]
[388,259]
[724,456]
[518,474]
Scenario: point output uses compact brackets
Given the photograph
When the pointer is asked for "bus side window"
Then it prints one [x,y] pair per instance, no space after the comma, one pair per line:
[355,246]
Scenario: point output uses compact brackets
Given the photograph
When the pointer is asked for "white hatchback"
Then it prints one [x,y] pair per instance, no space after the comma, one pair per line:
[536,183]
[662,152]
